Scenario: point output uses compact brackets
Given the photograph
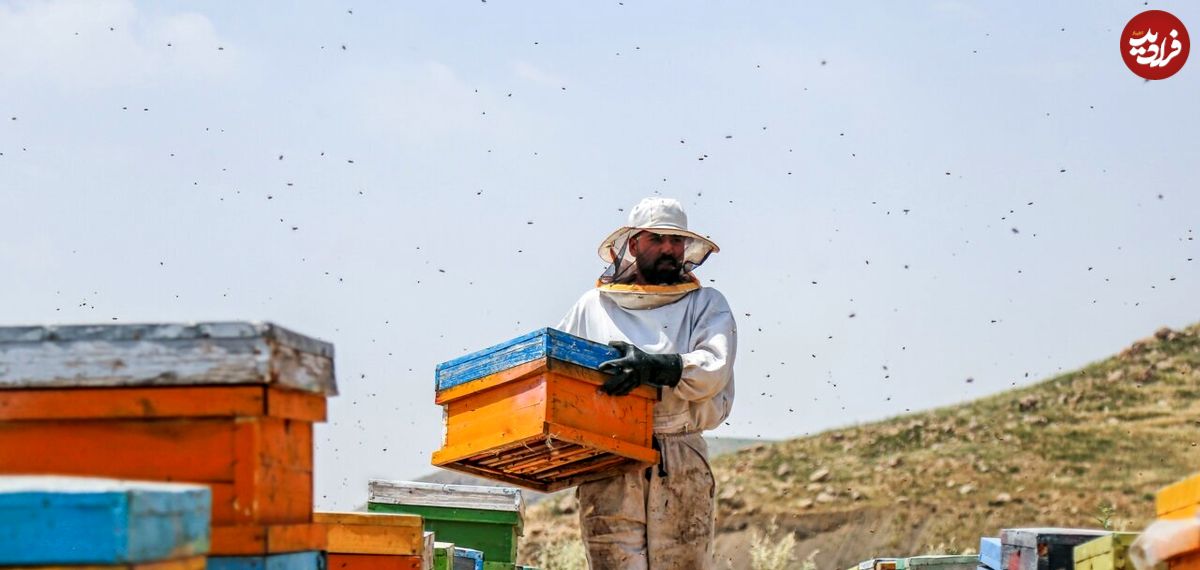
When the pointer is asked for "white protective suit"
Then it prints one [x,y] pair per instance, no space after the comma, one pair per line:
[662,518]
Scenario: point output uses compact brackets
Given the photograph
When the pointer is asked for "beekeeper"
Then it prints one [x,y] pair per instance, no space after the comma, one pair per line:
[681,337]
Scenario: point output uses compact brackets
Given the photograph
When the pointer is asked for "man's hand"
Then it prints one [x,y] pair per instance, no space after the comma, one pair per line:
[636,367]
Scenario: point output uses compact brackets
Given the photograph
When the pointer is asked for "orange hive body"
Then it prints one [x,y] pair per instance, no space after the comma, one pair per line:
[529,412]
[230,405]
[1180,501]
[422,560]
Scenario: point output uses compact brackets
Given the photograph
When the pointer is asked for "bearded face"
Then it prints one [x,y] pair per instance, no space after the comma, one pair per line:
[659,257]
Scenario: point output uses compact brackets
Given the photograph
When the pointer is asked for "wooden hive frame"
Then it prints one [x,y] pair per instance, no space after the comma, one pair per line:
[529,412]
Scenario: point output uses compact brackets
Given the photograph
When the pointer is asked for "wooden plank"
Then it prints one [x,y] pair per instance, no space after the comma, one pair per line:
[78,520]
[260,469]
[510,408]
[369,519]
[273,477]
[129,403]
[243,540]
[190,563]
[537,345]
[580,405]
[181,450]
[599,441]
[942,562]
[445,496]
[296,405]
[290,561]
[1182,495]
[373,533]
[160,402]
[519,372]
[989,552]
[492,532]
[1106,552]
[164,355]
[338,561]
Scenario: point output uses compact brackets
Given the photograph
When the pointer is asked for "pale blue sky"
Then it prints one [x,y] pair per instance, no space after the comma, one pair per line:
[497,142]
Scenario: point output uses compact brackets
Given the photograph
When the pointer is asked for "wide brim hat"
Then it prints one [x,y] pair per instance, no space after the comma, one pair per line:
[661,216]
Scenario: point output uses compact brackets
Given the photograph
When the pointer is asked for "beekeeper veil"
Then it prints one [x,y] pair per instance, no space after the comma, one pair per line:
[662,216]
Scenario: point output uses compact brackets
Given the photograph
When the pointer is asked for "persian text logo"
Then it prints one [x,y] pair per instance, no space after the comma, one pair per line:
[1155,44]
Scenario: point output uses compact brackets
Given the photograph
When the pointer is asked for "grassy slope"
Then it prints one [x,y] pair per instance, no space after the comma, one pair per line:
[1053,454]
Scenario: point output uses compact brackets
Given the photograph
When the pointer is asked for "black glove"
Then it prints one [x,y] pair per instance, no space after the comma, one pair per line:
[636,367]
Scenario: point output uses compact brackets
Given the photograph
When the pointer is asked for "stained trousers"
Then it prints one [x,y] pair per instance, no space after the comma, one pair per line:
[657,519]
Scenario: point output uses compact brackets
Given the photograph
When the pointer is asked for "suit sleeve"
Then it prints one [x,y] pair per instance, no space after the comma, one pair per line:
[708,368]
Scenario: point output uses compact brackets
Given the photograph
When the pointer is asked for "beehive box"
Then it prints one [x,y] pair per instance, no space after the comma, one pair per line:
[47,520]
[310,560]
[488,519]
[528,412]
[1181,501]
[1106,553]
[420,561]
[938,562]
[1042,548]
[989,553]
[447,556]
[879,564]
[230,405]
[372,533]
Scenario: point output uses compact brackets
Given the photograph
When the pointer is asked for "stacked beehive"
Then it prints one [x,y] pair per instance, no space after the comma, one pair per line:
[71,522]
[488,519]
[528,412]
[989,553]
[375,541]
[229,405]
[1106,553]
[1042,548]
[447,556]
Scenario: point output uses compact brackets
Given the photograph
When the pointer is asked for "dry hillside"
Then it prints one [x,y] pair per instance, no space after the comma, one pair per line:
[1085,448]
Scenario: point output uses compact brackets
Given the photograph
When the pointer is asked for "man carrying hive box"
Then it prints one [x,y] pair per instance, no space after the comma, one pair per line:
[680,337]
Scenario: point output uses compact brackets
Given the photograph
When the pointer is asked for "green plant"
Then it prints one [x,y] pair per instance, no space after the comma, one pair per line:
[769,551]
[1105,512]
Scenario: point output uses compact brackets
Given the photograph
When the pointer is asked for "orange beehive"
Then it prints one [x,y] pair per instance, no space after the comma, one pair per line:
[342,557]
[230,405]
[1179,501]
[529,412]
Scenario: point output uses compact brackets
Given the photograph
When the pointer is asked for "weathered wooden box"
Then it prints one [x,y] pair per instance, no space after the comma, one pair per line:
[1178,501]
[989,552]
[488,519]
[422,560]
[230,405]
[529,412]
[1106,553]
[938,562]
[311,560]
[50,520]
[1042,548]
[447,556]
